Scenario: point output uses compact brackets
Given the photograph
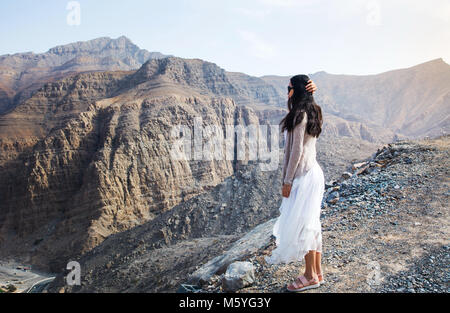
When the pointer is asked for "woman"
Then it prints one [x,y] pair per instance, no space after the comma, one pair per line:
[298,228]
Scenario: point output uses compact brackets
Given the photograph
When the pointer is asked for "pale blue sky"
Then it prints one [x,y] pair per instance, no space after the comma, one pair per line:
[257,37]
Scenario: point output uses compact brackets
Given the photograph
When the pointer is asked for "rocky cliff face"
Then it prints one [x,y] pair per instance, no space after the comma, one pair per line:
[256,92]
[89,156]
[171,245]
[21,74]
[161,253]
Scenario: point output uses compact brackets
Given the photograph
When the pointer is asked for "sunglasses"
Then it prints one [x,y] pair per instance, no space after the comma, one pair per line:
[290,88]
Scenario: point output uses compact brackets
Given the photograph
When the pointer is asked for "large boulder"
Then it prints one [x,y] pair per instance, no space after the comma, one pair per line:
[238,275]
[254,240]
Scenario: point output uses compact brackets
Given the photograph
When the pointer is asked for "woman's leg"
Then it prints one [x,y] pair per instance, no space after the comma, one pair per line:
[310,273]
[318,262]
[310,265]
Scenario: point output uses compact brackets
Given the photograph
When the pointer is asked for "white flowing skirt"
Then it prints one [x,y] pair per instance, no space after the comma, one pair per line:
[298,229]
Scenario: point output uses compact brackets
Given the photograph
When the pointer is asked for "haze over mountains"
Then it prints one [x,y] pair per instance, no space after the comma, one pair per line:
[413,102]
[85,138]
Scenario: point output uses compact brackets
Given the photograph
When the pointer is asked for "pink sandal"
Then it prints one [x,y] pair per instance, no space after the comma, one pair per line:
[320,277]
[305,284]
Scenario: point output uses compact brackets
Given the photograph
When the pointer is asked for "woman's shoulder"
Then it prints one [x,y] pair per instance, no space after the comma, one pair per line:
[299,129]
[300,115]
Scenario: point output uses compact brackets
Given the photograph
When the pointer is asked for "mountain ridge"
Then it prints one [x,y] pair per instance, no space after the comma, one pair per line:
[22,74]
[437,61]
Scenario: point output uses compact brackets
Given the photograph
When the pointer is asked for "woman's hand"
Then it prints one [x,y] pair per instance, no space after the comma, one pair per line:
[311,87]
[286,191]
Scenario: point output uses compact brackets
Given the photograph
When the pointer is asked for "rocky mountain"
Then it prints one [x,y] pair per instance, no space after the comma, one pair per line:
[406,103]
[89,155]
[21,74]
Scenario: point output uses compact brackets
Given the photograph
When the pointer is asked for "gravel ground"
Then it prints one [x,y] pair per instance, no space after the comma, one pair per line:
[429,273]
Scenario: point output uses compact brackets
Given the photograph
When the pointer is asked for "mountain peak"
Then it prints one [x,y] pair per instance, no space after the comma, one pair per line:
[179,68]
[438,60]
[196,73]
[94,45]
[434,61]
[436,65]
[123,38]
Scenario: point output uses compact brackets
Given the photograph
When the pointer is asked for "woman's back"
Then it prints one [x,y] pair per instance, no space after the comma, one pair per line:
[301,146]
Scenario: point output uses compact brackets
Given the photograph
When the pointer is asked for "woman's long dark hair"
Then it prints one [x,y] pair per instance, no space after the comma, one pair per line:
[302,101]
